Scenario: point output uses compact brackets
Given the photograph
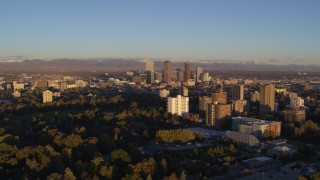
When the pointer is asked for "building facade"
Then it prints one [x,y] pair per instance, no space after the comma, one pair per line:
[167,72]
[178,105]
[267,99]
[187,71]
[199,71]
[46,96]
[217,114]
[238,92]
[256,127]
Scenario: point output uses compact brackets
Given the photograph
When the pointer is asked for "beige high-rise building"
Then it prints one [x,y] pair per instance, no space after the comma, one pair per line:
[149,65]
[199,71]
[47,96]
[203,104]
[267,99]
[187,71]
[167,72]
[238,92]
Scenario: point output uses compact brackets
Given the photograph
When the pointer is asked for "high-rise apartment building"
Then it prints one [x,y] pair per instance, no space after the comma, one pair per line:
[219,96]
[187,71]
[178,105]
[47,96]
[167,72]
[150,76]
[238,92]
[203,104]
[267,99]
[216,114]
[199,71]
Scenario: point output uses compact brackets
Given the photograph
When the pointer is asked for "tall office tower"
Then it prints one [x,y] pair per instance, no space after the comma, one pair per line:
[267,96]
[199,71]
[180,76]
[187,71]
[47,96]
[178,105]
[217,114]
[237,92]
[150,76]
[167,72]
[150,71]
[219,96]
[149,65]
[158,76]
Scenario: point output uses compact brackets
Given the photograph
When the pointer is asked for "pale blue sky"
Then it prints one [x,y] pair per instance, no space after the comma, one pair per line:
[245,30]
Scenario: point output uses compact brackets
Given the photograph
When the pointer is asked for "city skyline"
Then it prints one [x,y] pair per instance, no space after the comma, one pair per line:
[274,32]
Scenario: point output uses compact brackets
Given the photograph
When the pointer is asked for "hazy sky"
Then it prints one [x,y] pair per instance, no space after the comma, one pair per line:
[277,31]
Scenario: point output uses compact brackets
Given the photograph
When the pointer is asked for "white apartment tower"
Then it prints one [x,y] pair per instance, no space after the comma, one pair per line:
[178,105]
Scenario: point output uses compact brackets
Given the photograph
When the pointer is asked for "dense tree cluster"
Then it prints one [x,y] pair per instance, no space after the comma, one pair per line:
[178,135]
[309,131]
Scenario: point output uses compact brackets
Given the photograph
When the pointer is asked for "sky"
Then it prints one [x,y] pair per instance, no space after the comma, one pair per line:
[267,31]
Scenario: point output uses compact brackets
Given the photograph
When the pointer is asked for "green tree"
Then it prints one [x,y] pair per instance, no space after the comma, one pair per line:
[120,155]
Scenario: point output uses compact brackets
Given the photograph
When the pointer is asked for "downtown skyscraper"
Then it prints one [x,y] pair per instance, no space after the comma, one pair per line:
[187,71]
[167,72]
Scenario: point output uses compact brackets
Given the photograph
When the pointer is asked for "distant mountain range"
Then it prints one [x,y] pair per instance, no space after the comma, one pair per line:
[108,65]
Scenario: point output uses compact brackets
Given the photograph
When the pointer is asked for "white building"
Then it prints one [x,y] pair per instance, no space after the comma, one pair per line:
[47,96]
[178,105]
